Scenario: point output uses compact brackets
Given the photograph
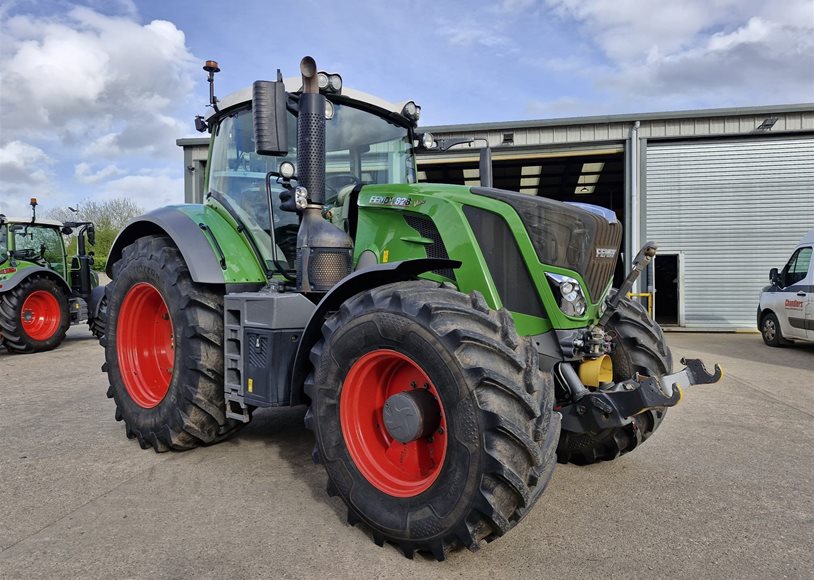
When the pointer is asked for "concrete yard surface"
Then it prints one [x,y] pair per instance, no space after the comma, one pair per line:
[725,488]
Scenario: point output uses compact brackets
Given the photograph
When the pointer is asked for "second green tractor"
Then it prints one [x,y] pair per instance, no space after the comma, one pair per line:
[451,343]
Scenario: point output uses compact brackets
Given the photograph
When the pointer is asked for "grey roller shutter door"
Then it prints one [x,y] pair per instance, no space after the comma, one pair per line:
[735,209]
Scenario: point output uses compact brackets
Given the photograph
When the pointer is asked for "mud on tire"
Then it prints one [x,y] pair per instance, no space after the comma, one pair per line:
[638,346]
[192,413]
[501,430]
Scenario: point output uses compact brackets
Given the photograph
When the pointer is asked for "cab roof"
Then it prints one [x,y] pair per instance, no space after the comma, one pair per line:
[245,96]
[37,222]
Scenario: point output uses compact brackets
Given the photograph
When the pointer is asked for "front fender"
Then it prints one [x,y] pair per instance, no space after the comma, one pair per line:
[213,250]
[360,281]
[20,275]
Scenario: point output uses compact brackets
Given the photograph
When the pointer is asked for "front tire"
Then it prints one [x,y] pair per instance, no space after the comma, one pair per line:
[770,330]
[490,451]
[34,315]
[164,350]
[638,347]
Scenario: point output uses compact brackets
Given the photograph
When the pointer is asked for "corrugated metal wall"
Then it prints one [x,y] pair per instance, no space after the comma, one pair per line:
[735,208]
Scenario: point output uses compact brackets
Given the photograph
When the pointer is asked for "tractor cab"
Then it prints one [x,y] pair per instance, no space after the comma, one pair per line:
[367,141]
[40,243]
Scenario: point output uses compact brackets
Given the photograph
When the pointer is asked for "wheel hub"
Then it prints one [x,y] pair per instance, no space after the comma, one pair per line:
[411,415]
[40,315]
[145,345]
[393,423]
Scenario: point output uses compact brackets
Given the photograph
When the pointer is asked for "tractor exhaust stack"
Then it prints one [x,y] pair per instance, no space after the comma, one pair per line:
[324,252]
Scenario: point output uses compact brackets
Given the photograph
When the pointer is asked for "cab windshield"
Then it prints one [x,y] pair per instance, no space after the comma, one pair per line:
[361,148]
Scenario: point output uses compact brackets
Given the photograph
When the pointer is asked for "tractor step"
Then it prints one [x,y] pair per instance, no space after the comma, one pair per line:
[614,405]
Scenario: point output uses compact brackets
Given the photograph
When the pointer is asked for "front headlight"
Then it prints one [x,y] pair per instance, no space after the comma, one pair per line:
[572,299]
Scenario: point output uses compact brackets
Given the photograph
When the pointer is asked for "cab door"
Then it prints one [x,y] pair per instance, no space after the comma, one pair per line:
[797,294]
[46,246]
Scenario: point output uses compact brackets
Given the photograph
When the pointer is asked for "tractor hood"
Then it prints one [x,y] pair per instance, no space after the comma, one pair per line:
[576,236]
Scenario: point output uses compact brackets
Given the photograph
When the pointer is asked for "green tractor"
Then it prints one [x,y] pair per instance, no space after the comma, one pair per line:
[450,342]
[42,290]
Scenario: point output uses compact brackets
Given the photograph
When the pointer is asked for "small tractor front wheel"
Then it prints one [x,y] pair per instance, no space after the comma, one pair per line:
[164,350]
[34,315]
[431,416]
[638,346]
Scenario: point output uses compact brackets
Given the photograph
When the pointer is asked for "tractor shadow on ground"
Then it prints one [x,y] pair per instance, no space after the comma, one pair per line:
[283,430]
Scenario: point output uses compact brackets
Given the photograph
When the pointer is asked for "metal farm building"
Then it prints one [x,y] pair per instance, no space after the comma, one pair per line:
[725,193]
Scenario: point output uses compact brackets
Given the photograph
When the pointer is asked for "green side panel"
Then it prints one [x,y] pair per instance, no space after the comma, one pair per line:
[383,230]
[242,264]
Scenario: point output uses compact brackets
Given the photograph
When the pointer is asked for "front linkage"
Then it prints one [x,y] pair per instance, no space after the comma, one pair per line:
[614,405]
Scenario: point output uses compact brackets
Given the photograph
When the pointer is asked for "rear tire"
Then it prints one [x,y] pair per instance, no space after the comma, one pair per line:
[638,346]
[500,436]
[34,315]
[168,390]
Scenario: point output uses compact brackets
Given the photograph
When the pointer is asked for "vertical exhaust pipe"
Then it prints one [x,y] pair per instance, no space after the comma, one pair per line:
[324,252]
[311,134]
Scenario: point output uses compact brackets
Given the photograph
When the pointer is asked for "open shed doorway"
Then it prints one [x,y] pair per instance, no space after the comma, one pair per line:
[667,284]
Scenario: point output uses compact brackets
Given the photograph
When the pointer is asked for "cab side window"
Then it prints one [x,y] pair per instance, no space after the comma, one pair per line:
[44,244]
[797,268]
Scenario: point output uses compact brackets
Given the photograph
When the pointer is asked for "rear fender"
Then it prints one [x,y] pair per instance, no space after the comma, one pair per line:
[213,250]
[20,275]
[360,281]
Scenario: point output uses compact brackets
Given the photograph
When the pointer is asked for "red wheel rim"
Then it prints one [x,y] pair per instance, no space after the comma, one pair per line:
[145,344]
[398,469]
[41,315]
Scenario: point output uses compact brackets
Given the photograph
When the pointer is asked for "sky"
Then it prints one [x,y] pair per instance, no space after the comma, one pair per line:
[94,93]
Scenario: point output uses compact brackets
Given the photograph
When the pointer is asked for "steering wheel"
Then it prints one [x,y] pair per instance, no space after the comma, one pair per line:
[336,182]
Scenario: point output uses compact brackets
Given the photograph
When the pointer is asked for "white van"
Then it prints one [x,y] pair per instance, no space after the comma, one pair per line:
[786,310]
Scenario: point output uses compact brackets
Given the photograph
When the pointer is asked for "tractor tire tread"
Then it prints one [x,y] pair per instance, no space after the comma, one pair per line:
[518,444]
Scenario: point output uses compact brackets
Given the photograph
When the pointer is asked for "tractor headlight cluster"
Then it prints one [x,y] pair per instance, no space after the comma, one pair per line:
[572,299]
[411,111]
[329,82]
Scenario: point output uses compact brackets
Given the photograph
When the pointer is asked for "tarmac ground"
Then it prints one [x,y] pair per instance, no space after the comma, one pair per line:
[725,488]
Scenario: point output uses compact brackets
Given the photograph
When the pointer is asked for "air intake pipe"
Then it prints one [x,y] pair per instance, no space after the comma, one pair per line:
[324,252]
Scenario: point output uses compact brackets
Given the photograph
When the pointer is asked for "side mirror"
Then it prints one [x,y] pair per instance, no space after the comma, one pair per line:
[269,114]
[91,231]
[774,277]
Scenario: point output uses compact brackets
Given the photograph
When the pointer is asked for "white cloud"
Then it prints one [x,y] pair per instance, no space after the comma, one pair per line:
[22,164]
[729,51]
[98,93]
[88,65]
[466,33]
[147,190]
[85,173]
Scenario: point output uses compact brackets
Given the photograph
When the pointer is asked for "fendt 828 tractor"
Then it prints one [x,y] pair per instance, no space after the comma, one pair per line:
[42,289]
[450,342]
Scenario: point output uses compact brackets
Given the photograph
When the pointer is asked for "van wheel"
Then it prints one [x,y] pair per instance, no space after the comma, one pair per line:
[770,330]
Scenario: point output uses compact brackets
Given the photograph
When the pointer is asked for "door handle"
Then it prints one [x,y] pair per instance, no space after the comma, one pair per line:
[801,293]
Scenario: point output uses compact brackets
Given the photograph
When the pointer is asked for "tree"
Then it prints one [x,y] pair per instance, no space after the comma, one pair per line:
[109,217]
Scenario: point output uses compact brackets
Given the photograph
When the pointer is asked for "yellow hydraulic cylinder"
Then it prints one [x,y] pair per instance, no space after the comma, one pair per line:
[593,372]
